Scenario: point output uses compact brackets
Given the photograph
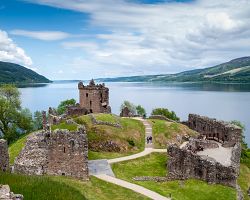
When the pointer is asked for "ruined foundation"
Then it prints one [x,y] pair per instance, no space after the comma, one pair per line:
[213,157]
[6,194]
[57,153]
[221,131]
[4,155]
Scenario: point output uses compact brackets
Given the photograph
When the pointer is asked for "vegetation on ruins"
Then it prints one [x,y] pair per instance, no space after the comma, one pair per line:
[155,165]
[165,112]
[245,151]
[14,120]
[134,109]
[130,136]
[130,106]
[167,132]
[63,105]
[58,188]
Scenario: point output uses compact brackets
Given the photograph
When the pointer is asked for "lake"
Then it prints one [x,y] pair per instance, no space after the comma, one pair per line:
[222,101]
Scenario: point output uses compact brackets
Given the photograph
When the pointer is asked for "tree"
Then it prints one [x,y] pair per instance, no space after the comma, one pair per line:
[13,119]
[38,120]
[165,112]
[140,110]
[130,106]
[63,105]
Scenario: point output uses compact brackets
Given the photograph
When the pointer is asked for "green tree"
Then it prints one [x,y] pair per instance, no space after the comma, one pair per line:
[13,119]
[165,112]
[140,110]
[63,105]
[38,120]
[130,106]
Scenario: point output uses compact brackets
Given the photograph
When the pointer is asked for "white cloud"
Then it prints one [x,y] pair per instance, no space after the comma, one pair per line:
[42,35]
[10,52]
[161,38]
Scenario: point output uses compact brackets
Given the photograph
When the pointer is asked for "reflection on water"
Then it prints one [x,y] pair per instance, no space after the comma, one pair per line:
[223,101]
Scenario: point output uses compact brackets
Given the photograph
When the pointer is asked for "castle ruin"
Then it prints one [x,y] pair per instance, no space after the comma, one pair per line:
[60,152]
[94,97]
[214,156]
[4,155]
[220,131]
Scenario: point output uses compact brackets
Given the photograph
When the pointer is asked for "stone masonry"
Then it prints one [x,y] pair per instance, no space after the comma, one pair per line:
[4,155]
[221,131]
[185,162]
[94,97]
[57,153]
[6,194]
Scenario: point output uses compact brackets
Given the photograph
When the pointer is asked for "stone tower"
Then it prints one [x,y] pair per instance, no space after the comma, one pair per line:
[4,155]
[94,97]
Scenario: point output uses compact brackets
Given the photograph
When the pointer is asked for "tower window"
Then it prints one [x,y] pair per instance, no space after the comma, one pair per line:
[64,150]
[90,103]
[87,94]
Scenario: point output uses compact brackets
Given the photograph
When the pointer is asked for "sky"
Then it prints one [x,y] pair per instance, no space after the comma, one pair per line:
[84,39]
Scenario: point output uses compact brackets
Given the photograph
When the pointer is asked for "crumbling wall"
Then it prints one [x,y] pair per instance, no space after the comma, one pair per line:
[58,153]
[214,129]
[184,164]
[4,155]
[6,194]
[94,97]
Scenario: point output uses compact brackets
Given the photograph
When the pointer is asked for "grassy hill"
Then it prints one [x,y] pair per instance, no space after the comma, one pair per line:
[234,71]
[13,73]
[130,137]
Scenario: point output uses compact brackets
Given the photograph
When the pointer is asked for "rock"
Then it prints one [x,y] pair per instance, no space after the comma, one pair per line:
[6,194]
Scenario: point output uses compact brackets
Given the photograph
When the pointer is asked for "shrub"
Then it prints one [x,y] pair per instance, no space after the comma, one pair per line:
[165,112]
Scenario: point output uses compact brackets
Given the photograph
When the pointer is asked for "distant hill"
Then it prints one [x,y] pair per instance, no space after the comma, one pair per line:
[13,73]
[234,71]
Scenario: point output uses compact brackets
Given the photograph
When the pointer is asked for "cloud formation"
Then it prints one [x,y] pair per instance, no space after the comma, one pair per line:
[161,38]
[10,52]
[42,35]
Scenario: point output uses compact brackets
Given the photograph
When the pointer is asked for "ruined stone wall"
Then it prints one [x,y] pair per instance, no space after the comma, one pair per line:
[6,194]
[76,111]
[214,129]
[95,98]
[57,153]
[184,164]
[4,155]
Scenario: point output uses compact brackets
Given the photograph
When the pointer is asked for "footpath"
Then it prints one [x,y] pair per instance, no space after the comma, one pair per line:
[102,168]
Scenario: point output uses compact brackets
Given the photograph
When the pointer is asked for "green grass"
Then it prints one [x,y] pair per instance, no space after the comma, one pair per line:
[106,118]
[244,179]
[58,188]
[16,147]
[64,125]
[155,165]
[131,136]
[164,132]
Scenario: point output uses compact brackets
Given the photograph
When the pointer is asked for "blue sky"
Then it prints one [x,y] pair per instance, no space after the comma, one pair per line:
[74,39]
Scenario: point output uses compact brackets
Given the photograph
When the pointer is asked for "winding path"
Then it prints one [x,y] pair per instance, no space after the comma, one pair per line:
[102,169]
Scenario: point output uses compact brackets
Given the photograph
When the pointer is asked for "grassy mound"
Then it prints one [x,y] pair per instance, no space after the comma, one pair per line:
[131,137]
[244,179]
[155,165]
[58,188]
[16,147]
[166,132]
[64,125]
[107,118]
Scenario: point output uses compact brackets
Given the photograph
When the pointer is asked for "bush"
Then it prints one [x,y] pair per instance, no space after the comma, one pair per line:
[130,106]
[140,110]
[63,105]
[165,112]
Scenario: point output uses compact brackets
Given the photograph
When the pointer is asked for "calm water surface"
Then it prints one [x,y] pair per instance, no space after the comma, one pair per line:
[226,102]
